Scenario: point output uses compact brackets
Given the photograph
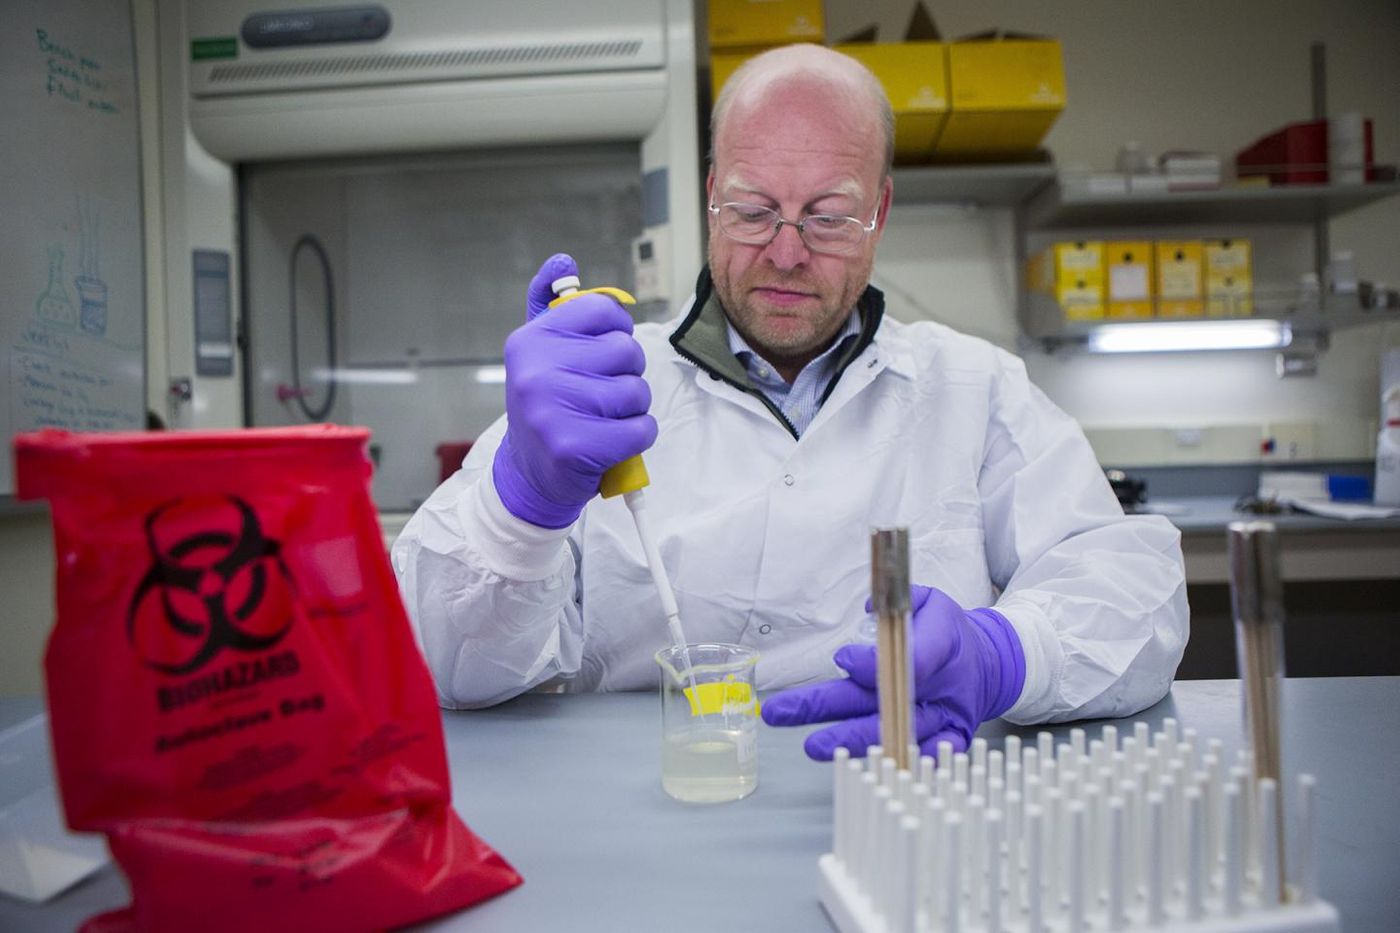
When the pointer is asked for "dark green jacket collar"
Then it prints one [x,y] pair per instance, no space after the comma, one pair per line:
[703,339]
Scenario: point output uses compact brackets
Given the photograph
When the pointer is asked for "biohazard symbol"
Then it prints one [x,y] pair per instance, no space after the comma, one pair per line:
[216,582]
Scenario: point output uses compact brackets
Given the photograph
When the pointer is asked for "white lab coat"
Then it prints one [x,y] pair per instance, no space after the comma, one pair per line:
[767,538]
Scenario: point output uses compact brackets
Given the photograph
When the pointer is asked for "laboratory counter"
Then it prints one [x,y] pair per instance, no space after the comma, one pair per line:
[1205,514]
[1311,548]
[568,789]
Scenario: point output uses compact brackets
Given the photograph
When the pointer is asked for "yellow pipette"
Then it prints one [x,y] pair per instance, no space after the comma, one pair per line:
[628,479]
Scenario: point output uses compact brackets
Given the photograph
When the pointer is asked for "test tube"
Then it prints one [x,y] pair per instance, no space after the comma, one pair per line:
[993,828]
[952,872]
[839,760]
[1011,745]
[1117,858]
[1035,865]
[1256,598]
[1195,856]
[1306,866]
[1078,853]
[931,861]
[889,571]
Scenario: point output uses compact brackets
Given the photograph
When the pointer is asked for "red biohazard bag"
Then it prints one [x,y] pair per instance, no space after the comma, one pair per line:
[234,692]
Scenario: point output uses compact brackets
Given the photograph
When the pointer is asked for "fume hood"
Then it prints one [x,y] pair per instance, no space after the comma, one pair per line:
[403,168]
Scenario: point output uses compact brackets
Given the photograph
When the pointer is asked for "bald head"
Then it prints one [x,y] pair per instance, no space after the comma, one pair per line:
[846,82]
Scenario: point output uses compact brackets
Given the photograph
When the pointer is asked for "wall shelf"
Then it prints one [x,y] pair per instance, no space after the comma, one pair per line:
[1054,207]
[993,185]
[1042,203]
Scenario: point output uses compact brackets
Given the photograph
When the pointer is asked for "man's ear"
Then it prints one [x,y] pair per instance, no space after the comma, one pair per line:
[886,199]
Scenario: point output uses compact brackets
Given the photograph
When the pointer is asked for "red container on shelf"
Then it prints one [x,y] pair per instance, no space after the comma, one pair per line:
[1294,155]
[450,456]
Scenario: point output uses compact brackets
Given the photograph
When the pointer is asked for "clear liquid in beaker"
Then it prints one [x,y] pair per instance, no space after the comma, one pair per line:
[710,765]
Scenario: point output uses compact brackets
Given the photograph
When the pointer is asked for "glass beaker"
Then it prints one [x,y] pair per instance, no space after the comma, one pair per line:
[709,722]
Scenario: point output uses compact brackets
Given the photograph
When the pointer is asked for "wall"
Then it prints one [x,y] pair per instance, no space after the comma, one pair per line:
[26,579]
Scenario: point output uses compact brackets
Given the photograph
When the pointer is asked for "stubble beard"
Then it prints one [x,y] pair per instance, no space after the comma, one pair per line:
[784,345]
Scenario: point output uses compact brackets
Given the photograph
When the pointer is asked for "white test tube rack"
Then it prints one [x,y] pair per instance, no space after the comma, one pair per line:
[1155,832]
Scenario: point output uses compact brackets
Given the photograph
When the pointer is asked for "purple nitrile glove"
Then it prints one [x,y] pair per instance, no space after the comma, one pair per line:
[968,667]
[576,402]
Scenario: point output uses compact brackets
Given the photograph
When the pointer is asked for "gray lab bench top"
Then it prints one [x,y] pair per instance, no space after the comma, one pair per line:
[1205,514]
[1312,548]
[567,788]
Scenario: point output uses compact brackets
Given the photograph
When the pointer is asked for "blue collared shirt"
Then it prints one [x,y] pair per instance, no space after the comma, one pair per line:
[800,400]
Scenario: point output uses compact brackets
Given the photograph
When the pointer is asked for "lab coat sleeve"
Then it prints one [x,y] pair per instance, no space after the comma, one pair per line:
[492,599]
[1097,597]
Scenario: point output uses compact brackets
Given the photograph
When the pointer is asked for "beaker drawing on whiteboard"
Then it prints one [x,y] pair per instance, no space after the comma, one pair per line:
[53,305]
[92,291]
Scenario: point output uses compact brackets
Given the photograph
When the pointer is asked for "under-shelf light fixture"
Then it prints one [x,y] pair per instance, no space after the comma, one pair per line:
[367,375]
[1159,336]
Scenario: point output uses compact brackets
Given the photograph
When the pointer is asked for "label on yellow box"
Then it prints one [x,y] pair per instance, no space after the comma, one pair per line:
[1128,265]
[1179,281]
[1229,296]
[1005,95]
[915,78]
[1080,259]
[1081,302]
[1228,258]
[750,23]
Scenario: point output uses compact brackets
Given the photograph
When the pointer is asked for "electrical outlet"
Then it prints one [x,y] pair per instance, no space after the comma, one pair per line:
[1187,437]
[1282,441]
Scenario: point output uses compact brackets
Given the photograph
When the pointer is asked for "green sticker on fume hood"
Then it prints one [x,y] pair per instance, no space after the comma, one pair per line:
[201,49]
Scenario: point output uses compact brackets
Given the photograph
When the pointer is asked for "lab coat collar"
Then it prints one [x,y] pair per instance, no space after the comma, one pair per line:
[702,336]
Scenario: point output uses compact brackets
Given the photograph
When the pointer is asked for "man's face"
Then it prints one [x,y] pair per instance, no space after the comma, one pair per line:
[799,153]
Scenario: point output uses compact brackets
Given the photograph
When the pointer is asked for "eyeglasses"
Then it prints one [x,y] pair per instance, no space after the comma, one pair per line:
[823,233]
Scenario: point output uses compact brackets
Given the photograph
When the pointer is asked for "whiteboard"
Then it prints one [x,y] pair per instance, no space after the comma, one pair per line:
[72,285]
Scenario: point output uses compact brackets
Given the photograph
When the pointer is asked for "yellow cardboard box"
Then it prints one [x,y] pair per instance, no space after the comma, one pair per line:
[1128,271]
[915,77]
[1073,273]
[1180,285]
[1229,278]
[1005,93]
[755,24]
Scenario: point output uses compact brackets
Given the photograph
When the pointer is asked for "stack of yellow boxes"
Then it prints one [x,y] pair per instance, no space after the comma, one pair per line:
[1073,274]
[1132,279]
[1229,278]
[740,29]
[984,97]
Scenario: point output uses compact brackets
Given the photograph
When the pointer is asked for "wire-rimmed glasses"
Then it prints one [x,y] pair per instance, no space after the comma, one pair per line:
[823,233]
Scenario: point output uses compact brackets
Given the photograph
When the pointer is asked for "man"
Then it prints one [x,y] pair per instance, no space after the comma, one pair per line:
[783,416]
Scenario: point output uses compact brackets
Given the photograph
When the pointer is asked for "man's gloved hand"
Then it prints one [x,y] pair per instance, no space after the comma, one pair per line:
[576,402]
[968,667]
